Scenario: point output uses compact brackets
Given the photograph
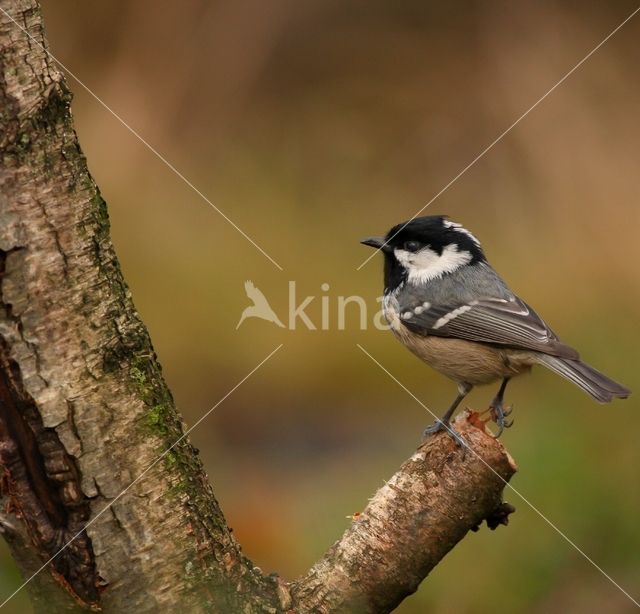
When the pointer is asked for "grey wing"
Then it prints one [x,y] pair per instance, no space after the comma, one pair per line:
[503,322]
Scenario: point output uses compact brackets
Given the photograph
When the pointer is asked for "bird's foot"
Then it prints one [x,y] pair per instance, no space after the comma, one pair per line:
[440,425]
[499,414]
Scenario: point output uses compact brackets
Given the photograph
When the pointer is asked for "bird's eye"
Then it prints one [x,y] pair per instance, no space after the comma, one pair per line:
[412,246]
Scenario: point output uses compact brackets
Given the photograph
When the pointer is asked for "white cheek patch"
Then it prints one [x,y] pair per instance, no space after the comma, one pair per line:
[423,259]
[426,264]
[459,228]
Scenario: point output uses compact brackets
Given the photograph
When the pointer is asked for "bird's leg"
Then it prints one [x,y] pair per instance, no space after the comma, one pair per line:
[498,411]
[444,422]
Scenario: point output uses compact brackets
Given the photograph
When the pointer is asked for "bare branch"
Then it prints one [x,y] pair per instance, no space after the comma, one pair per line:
[421,513]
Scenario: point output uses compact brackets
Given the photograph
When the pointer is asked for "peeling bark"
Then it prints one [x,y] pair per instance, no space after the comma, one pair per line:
[42,483]
[84,411]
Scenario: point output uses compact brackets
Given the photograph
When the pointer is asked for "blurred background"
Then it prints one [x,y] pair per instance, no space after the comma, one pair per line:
[311,125]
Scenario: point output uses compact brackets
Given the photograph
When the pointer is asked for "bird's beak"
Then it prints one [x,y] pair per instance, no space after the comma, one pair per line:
[377,242]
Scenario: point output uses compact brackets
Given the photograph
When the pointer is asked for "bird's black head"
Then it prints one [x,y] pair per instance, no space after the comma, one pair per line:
[424,249]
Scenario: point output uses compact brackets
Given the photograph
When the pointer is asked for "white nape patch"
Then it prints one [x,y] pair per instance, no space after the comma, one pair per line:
[459,228]
[424,265]
[449,316]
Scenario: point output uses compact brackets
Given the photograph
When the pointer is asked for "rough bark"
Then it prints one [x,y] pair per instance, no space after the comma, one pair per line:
[84,410]
[88,409]
[419,515]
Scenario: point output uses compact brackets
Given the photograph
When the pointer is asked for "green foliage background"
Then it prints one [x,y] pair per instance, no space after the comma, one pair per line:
[313,124]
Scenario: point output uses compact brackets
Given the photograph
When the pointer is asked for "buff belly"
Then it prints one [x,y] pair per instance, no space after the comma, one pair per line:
[466,361]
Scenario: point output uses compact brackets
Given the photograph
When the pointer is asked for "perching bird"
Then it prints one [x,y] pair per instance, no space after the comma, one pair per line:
[446,304]
[260,307]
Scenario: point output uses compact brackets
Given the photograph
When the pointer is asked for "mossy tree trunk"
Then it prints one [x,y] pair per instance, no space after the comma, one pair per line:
[84,407]
[84,411]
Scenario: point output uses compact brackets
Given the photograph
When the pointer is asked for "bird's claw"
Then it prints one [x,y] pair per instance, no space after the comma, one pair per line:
[440,425]
[499,413]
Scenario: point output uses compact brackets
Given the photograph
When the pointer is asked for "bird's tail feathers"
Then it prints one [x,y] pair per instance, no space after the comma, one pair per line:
[598,385]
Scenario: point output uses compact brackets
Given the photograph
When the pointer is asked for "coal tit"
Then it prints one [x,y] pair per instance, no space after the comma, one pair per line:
[448,306]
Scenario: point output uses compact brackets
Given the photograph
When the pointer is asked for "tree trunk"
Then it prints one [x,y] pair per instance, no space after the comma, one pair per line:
[84,411]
